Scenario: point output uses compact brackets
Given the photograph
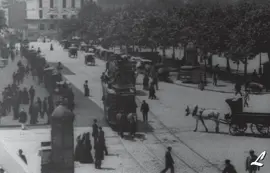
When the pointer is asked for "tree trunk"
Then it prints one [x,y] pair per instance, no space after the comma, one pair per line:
[228,66]
[245,69]
[173,54]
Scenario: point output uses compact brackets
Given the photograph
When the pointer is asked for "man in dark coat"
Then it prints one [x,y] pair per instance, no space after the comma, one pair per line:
[169,163]
[22,118]
[101,140]
[99,155]
[229,168]
[33,111]
[145,110]
[32,94]
[251,158]
[95,131]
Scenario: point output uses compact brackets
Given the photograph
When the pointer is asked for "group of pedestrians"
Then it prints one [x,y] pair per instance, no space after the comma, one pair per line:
[13,97]
[84,147]
[229,168]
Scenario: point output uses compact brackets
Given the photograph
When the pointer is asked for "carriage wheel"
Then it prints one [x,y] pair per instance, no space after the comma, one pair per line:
[263,129]
[236,129]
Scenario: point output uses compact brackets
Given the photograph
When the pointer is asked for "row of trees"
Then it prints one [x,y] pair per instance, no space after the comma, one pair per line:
[238,30]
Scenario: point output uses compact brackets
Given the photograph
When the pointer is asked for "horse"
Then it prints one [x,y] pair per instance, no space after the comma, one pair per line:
[201,114]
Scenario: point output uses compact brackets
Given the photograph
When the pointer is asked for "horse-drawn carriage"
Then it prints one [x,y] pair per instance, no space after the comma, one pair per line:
[240,120]
[73,51]
[89,59]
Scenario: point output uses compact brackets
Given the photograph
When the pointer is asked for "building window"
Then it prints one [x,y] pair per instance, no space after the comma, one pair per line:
[51,3]
[82,3]
[72,3]
[52,26]
[64,3]
[40,14]
[64,16]
[40,4]
[41,26]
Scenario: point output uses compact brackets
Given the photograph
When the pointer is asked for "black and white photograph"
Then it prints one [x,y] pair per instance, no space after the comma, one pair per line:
[134,86]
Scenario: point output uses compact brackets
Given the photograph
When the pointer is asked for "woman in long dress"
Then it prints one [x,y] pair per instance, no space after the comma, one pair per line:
[86,89]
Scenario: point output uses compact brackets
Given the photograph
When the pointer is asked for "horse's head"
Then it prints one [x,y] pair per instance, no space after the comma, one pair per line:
[187,111]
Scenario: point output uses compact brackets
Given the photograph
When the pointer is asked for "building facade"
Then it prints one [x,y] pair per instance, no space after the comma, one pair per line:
[43,16]
[17,15]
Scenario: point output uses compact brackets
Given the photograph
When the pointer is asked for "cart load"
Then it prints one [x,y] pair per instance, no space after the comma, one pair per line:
[258,121]
[89,59]
[73,51]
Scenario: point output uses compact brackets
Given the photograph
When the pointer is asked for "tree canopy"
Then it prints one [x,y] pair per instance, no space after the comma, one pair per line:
[235,28]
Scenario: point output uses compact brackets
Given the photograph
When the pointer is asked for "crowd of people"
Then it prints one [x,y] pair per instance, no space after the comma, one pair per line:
[84,147]
[14,97]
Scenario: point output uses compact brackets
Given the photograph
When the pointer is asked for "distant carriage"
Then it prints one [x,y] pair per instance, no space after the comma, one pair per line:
[89,59]
[240,120]
[73,51]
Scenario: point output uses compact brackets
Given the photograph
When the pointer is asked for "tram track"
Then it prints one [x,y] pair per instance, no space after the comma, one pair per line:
[177,139]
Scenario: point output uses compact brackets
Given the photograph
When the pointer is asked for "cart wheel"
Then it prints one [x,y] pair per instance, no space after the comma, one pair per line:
[263,129]
[242,128]
[234,129]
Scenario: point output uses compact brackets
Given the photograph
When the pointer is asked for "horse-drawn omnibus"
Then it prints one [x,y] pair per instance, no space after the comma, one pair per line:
[119,92]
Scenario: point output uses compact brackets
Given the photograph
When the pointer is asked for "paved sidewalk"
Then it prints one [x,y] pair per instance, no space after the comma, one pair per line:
[29,141]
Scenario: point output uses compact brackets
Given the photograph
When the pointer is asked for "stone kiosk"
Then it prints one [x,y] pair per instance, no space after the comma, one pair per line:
[57,156]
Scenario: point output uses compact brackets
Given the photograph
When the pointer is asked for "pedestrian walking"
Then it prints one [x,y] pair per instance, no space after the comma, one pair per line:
[99,154]
[251,158]
[152,92]
[86,89]
[229,168]
[101,140]
[95,132]
[22,118]
[169,162]
[237,88]
[22,156]
[145,110]
[246,98]
[44,107]
[32,94]
[39,103]
[155,81]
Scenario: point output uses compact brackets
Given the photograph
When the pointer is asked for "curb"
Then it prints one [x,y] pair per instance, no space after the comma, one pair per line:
[218,91]
[18,126]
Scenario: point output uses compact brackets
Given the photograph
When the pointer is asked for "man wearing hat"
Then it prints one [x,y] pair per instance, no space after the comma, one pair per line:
[169,163]
[229,168]
[251,158]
